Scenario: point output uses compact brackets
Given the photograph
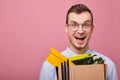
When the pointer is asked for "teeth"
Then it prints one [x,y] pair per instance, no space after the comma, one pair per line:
[79,38]
[82,38]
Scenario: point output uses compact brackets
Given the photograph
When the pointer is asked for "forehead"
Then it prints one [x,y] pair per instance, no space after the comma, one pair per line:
[79,18]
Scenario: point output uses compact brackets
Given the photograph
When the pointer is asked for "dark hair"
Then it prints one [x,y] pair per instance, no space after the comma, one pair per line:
[78,8]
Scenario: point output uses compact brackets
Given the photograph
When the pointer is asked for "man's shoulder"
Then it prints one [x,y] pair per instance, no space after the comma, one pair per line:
[46,64]
[99,54]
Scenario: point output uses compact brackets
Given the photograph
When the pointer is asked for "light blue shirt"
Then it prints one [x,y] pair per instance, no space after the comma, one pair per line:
[48,71]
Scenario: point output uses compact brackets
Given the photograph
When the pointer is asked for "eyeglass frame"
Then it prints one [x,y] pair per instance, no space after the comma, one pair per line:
[86,25]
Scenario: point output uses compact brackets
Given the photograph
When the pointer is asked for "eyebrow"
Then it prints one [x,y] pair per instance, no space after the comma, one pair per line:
[73,22]
[87,21]
[83,22]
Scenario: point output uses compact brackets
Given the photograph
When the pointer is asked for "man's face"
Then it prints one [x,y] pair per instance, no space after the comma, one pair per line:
[79,29]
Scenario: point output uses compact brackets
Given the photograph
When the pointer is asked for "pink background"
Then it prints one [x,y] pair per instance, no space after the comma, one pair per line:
[29,28]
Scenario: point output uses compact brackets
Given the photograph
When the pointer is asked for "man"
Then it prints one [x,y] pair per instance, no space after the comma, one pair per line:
[79,27]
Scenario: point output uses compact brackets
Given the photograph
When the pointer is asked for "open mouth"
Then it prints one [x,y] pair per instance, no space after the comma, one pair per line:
[80,38]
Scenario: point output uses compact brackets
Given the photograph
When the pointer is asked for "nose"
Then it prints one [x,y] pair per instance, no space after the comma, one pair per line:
[80,29]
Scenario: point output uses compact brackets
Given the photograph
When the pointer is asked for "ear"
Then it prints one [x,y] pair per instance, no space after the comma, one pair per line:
[66,28]
[92,28]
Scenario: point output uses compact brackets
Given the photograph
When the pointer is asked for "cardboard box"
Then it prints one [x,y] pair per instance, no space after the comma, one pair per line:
[83,72]
[76,68]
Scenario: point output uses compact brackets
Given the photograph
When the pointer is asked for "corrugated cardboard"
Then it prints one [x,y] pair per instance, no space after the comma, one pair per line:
[85,72]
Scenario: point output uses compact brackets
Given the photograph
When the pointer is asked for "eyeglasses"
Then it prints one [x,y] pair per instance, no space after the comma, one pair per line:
[75,26]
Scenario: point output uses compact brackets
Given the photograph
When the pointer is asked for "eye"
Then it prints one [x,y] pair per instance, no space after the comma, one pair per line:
[86,25]
[74,25]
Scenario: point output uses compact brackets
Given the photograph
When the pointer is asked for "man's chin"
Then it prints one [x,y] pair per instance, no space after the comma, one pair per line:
[80,46]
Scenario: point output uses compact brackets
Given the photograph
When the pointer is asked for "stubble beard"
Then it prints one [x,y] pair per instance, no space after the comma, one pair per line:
[79,48]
